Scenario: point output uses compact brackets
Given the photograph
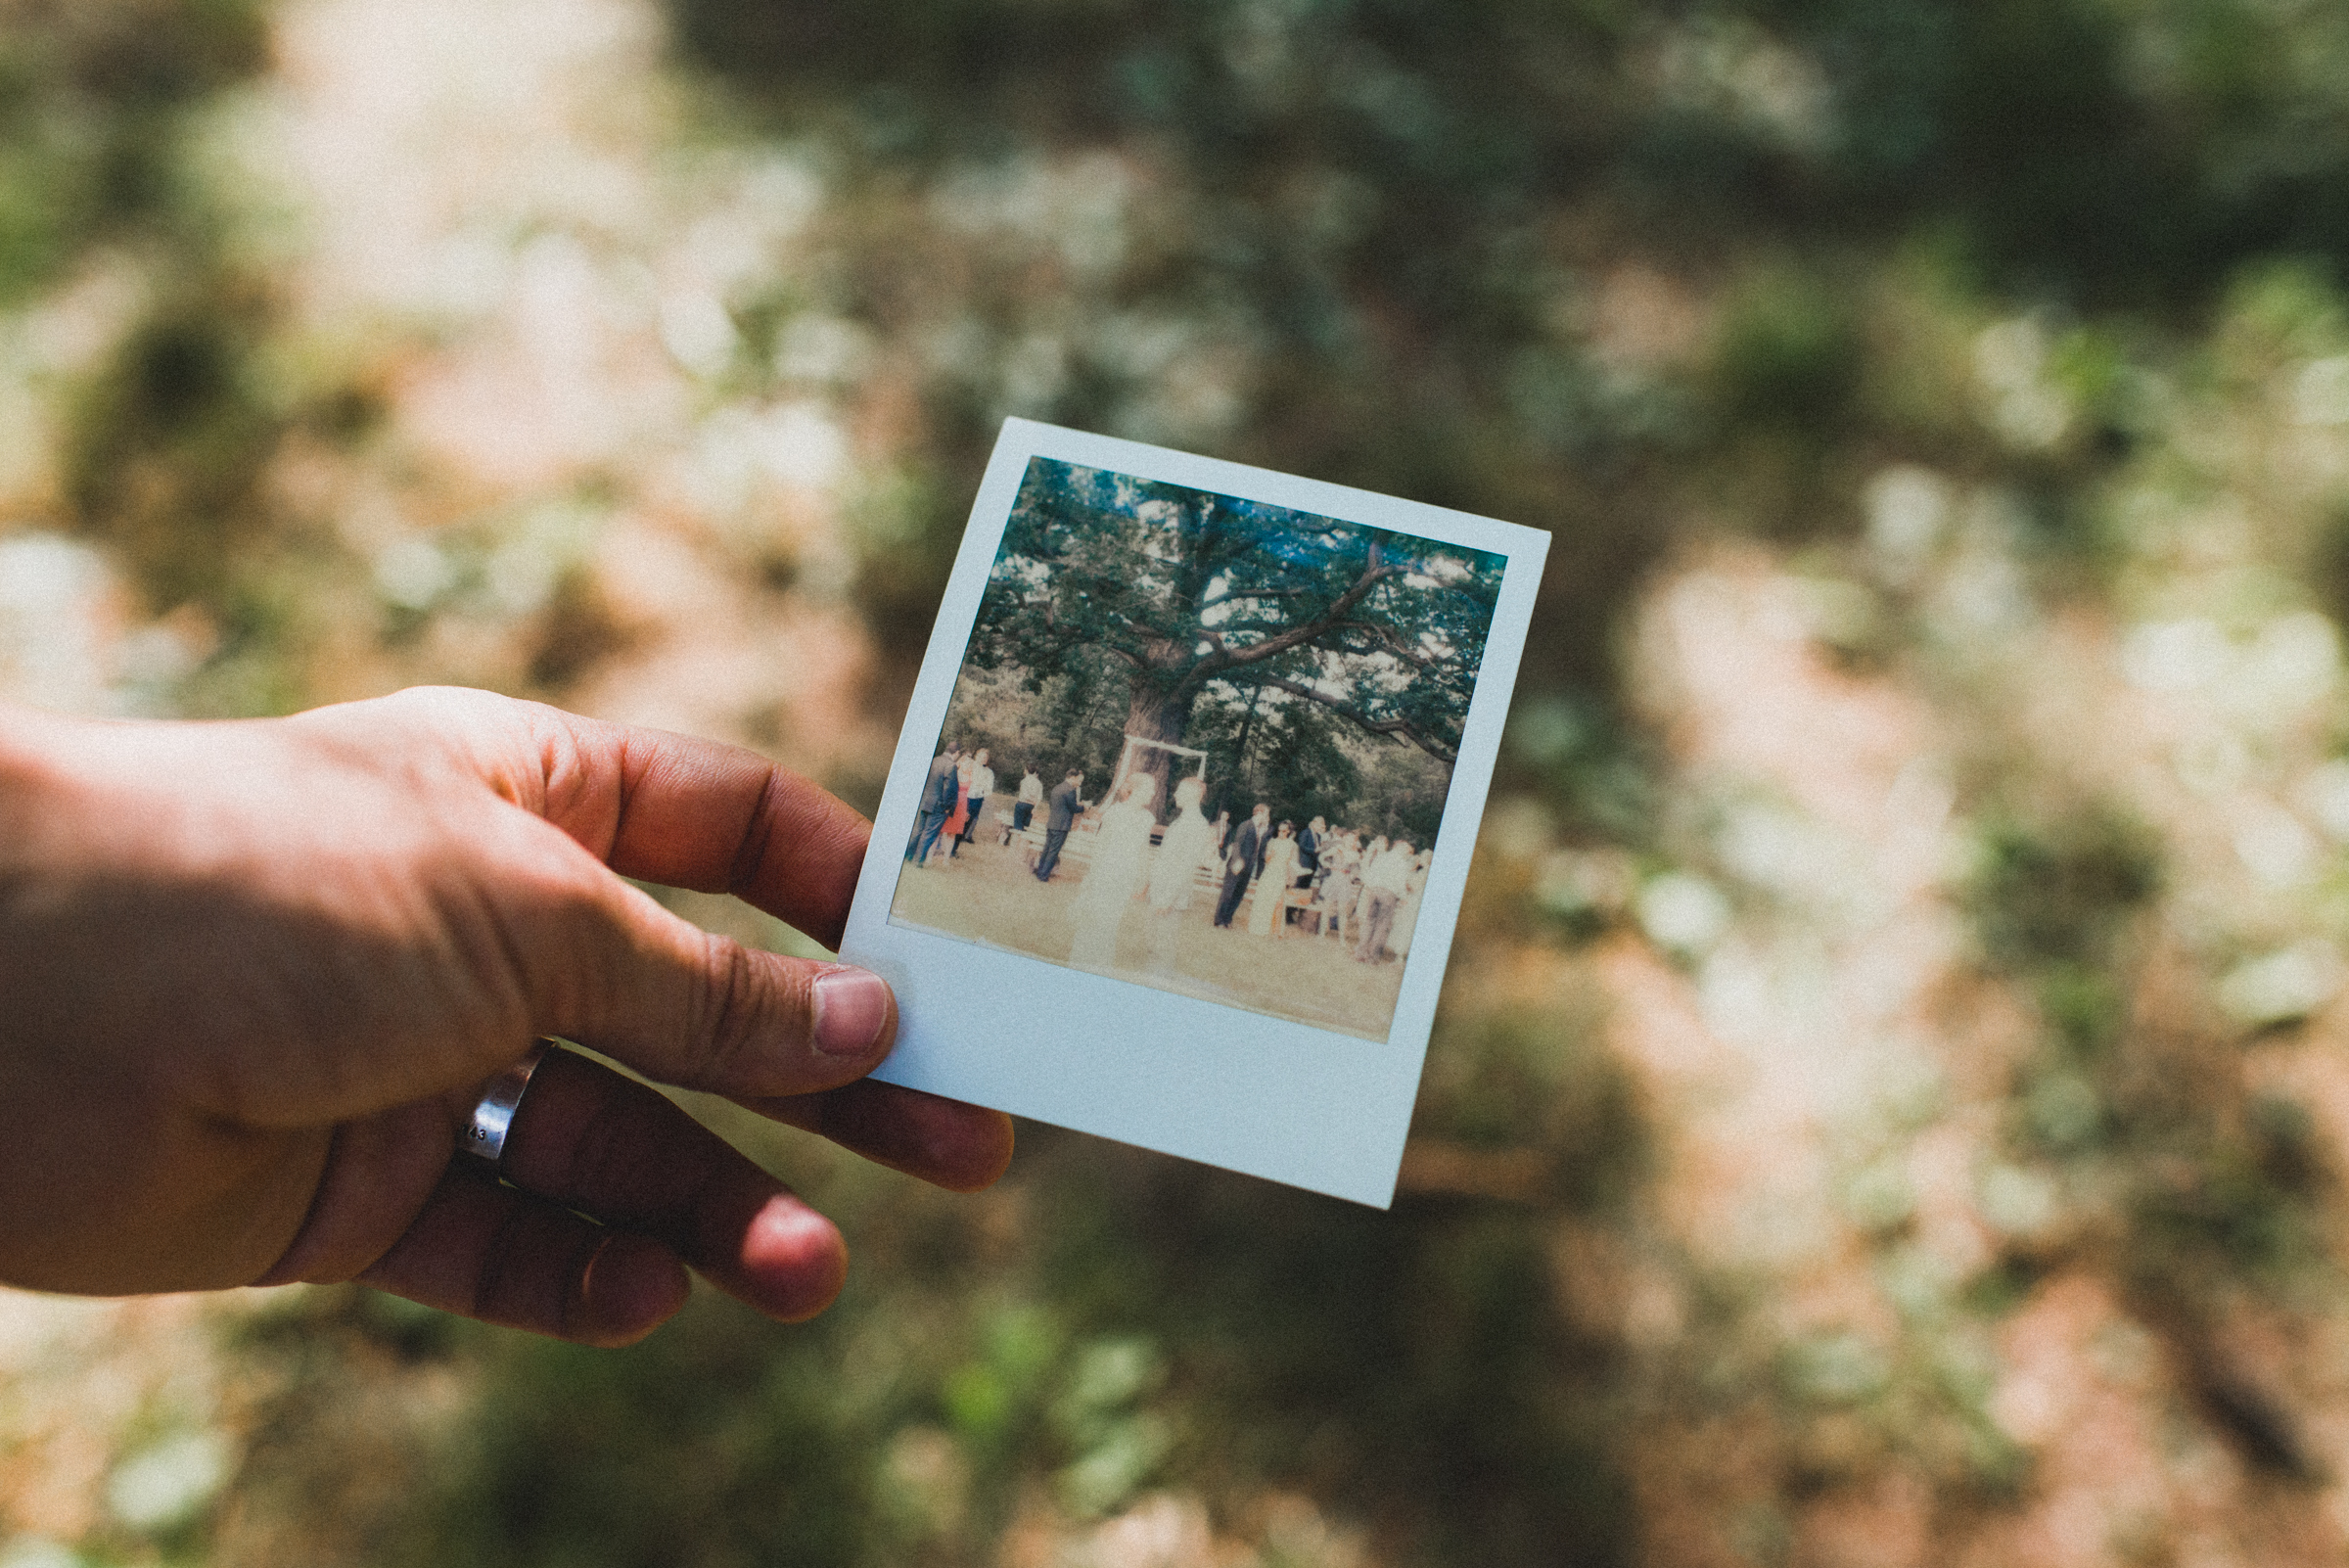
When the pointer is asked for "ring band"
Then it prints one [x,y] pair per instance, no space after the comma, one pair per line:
[494,1112]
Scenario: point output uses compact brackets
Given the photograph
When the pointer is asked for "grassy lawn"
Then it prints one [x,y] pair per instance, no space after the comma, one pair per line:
[988,895]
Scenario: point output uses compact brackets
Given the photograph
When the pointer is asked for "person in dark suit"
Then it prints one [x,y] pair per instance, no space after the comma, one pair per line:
[1309,863]
[1060,808]
[938,804]
[1243,858]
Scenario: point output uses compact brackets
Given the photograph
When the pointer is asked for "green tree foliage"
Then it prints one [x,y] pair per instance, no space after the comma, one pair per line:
[92,97]
[1285,755]
[2117,152]
[1187,595]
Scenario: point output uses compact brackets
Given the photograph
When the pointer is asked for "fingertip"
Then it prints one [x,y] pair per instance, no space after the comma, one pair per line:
[794,1258]
[633,1285]
[971,1151]
[947,1143]
[853,1012]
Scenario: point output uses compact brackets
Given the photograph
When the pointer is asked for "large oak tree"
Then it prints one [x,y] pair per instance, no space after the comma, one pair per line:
[1182,590]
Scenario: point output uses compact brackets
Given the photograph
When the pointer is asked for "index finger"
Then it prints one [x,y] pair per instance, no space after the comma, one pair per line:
[701,814]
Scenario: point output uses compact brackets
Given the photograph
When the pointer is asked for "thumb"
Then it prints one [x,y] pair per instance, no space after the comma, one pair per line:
[608,967]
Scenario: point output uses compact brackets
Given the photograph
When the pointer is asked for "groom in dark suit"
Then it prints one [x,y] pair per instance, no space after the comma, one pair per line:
[1061,807]
[1243,858]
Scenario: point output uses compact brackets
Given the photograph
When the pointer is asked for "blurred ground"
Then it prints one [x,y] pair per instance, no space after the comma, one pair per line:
[1891,1098]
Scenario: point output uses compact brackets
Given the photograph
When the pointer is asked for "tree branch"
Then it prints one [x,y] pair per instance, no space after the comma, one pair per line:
[1395,644]
[1226,657]
[1389,727]
[1230,594]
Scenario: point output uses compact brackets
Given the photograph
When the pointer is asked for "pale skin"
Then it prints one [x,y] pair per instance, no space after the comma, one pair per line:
[253,974]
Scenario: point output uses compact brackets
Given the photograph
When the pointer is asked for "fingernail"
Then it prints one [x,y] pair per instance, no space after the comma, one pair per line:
[851,1006]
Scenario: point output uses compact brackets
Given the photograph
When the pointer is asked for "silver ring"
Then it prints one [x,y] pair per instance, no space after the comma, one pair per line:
[494,1112]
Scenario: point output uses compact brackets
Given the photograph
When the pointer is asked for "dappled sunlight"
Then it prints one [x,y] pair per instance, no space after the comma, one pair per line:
[1888,1106]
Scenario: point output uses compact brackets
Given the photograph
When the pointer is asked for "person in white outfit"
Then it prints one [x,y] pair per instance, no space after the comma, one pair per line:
[1188,844]
[1120,861]
[1265,916]
[983,784]
[1383,887]
[1342,886]
[1407,913]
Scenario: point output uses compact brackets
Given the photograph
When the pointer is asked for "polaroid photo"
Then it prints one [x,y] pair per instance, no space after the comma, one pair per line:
[1173,842]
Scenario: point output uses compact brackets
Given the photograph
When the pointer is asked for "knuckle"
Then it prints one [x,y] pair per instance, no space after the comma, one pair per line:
[497,1284]
[756,1006]
[606,1169]
[737,1014]
[557,933]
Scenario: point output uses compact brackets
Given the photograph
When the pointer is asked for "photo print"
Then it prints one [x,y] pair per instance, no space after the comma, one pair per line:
[1201,743]
[1192,773]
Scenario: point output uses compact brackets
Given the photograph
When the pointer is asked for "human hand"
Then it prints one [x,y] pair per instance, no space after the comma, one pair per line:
[253,974]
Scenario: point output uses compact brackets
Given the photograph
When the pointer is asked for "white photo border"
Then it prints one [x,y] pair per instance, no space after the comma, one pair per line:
[1311,1107]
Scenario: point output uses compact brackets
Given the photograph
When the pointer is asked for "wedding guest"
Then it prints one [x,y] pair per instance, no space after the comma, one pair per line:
[1369,846]
[938,804]
[1222,829]
[1059,816]
[1031,796]
[983,784]
[1341,888]
[1407,913]
[1367,849]
[961,815]
[1309,844]
[1267,916]
[1383,885]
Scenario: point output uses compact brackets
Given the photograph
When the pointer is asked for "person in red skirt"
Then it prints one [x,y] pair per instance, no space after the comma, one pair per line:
[952,836]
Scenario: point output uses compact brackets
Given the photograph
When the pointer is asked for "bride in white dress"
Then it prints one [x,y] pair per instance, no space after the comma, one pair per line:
[1120,856]
[1188,844]
[1264,910]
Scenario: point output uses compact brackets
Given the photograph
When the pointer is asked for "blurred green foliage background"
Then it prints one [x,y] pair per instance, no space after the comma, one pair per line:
[1891,1097]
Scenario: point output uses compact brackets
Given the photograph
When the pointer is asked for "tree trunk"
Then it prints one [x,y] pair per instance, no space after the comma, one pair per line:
[1153,714]
[1241,803]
